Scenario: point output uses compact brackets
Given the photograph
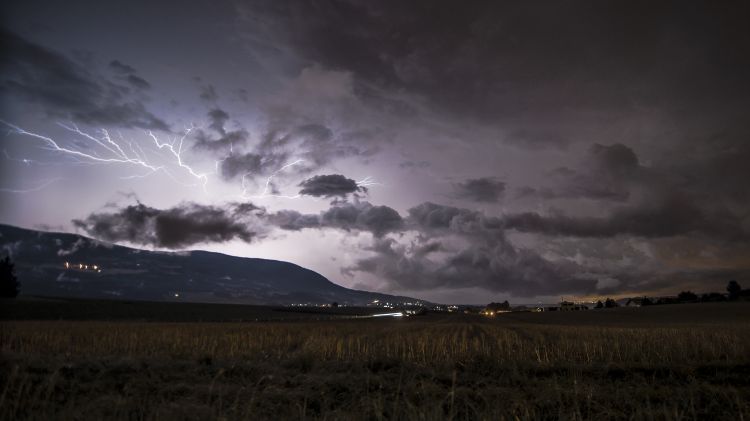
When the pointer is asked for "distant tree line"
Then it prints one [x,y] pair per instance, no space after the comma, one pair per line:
[608,303]
[734,293]
[504,306]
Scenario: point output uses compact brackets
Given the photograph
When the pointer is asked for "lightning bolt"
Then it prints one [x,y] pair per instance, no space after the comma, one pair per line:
[367,181]
[109,151]
[33,189]
[33,162]
[267,186]
[22,161]
[178,154]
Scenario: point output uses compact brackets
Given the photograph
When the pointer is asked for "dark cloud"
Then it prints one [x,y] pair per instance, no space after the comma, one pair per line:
[331,185]
[64,88]
[174,228]
[293,221]
[497,61]
[238,165]
[609,172]
[191,223]
[606,173]
[414,164]
[712,173]
[243,95]
[481,257]
[208,93]
[524,192]
[431,216]
[532,138]
[121,68]
[311,146]
[472,252]
[138,82]
[614,173]
[359,216]
[492,267]
[218,118]
[675,216]
[221,139]
[615,160]
[485,189]
[452,248]
[378,220]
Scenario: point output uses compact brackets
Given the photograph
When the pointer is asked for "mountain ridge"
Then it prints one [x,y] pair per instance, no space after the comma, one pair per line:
[71,265]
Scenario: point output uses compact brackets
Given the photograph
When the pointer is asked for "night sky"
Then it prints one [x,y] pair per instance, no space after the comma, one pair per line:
[459,152]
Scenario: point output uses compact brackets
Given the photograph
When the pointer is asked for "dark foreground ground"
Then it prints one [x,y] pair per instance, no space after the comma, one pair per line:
[46,308]
[666,362]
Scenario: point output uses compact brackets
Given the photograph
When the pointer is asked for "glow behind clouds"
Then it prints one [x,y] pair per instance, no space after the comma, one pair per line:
[455,153]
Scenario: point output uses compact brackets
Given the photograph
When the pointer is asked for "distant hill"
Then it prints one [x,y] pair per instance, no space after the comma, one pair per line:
[101,270]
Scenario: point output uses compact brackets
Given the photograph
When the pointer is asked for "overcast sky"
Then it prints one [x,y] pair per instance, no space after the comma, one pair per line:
[454,152]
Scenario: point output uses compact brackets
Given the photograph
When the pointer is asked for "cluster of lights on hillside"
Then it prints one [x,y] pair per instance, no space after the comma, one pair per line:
[83,267]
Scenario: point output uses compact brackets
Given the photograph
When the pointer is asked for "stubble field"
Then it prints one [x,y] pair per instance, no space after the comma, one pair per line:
[672,362]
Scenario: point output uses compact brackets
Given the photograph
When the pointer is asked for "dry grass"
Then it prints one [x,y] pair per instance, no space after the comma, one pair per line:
[395,369]
[414,342]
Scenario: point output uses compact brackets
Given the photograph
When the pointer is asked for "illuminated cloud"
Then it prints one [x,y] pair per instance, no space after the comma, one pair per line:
[485,189]
[331,185]
[624,175]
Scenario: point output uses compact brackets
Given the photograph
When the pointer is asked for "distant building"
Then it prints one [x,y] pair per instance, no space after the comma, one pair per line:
[494,308]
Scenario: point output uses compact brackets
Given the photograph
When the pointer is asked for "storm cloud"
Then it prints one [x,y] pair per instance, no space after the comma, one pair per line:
[671,218]
[485,189]
[511,149]
[359,216]
[510,65]
[222,139]
[331,185]
[460,248]
[65,88]
[173,228]
[492,267]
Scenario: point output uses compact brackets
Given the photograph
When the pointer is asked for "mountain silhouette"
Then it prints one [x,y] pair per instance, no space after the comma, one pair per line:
[70,265]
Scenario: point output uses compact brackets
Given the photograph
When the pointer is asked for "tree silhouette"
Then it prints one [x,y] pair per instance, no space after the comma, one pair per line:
[610,303]
[733,288]
[505,305]
[599,304]
[687,296]
[8,281]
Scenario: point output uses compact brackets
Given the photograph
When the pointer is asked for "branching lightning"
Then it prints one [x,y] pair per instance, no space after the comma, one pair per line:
[367,182]
[152,155]
[267,186]
[33,162]
[41,186]
[105,150]
[178,154]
